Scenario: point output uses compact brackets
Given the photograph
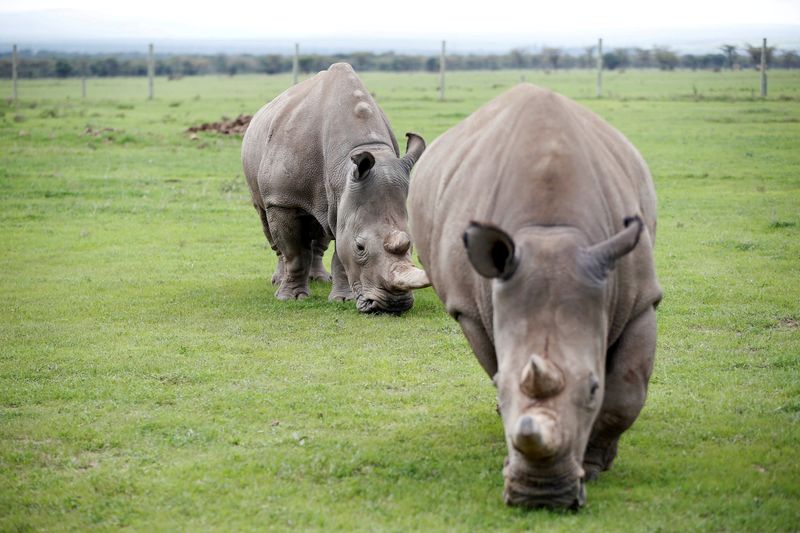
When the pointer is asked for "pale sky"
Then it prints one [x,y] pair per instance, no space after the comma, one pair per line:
[268,19]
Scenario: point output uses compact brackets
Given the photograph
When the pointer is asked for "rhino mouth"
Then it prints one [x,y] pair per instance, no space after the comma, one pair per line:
[384,302]
[525,488]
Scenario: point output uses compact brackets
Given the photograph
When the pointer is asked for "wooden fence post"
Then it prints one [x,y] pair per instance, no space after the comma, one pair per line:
[151,71]
[296,63]
[83,86]
[764,69]
[14,73]
[599,88]
[442,63]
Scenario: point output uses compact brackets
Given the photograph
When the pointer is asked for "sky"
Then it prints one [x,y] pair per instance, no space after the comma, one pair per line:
[553,20]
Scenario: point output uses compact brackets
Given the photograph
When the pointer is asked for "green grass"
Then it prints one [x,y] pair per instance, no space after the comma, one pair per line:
[149,379]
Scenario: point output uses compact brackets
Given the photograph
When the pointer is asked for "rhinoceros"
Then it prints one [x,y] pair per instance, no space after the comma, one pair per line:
[535,221]
[322,163]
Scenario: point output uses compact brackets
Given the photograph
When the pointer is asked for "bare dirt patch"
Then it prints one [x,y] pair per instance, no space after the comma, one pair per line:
[226,126]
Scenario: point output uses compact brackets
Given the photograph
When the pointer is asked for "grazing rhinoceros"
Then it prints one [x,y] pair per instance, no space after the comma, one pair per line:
[322,163]
[535,222]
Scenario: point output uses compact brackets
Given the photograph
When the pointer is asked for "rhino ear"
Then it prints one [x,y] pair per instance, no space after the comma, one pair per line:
[364,161]
[599,259]
[414,148]
[490,250]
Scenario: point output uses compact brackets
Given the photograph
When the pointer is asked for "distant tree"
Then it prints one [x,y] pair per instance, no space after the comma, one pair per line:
[789,59]
[755,55]
[624,57]
[587,59]
[714,61]
[63,69]
[644,58]
[730,52]
[518,58]
[304,63]
[611,60]
[690,61]
[551,56]
[665,58]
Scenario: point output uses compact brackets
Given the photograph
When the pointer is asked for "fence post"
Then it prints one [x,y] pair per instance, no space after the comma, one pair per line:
[296,63]
[442,62]
[151,71]
[599,88]
[83,86]
[764,69]
[14,73]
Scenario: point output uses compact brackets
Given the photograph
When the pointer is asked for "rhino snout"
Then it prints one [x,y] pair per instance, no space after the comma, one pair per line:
[526,486]
[380,301]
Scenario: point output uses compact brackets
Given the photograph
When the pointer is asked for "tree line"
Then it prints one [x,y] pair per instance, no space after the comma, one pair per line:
[52,64]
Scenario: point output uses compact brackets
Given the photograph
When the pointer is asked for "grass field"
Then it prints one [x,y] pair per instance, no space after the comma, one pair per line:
[149,380]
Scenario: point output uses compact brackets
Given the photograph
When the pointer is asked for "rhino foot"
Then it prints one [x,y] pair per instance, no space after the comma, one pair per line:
[599,458]
[291,293]
[338,295]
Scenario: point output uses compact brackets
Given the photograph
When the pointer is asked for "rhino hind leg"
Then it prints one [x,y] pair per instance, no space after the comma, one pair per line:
[628,372]
[318,246]
[290,230]
[277,276]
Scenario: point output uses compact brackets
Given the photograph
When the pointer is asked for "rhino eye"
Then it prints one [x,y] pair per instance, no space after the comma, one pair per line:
[361,251]
[593,385]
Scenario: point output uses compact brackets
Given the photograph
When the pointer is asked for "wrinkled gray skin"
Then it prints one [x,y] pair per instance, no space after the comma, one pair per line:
[535,221]
[322,163]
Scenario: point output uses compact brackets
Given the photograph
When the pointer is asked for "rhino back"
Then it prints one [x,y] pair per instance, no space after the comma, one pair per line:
[530,157]
[296,150]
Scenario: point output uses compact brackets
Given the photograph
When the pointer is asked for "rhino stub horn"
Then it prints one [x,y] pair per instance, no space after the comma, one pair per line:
[406,277]
[541,378]
[397,243]
[536,435]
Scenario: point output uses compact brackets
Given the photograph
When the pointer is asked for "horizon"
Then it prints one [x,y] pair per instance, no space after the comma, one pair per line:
[686,42]
[95,26]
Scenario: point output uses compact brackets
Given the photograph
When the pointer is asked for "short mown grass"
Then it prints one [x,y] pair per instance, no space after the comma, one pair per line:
[149,379]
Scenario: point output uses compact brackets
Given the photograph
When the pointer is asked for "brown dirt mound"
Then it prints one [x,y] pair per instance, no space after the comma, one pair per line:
[226,126]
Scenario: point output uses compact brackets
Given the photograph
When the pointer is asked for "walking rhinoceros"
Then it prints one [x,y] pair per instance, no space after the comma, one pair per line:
[322,163]
[535,222]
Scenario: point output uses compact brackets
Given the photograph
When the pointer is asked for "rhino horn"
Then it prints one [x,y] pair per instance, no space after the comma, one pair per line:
[541,378]
[605,253]
[536,435]
[406,277]
[414,148]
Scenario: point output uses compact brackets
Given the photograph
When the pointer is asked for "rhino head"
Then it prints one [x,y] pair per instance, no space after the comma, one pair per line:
[550,328]
[372,239]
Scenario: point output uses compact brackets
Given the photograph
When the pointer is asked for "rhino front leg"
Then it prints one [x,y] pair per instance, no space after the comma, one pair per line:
[289,229]
[480,343]
[318,272]
[627,376]
[277,276]
[340,291]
